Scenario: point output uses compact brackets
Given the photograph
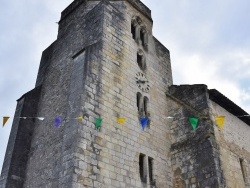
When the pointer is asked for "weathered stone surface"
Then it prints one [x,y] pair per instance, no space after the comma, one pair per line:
[195,154]
[90,71]
[18,150]
[234,141]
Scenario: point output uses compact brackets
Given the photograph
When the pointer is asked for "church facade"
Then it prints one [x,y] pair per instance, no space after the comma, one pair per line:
[106,64]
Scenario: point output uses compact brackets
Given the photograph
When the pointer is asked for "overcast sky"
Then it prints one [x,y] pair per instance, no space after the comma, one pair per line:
[209,42]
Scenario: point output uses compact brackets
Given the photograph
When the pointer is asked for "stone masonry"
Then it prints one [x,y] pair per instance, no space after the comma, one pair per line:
[195,154]
[234,144]
[91,71]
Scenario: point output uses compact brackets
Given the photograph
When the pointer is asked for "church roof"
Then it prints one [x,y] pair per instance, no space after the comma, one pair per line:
[230,106]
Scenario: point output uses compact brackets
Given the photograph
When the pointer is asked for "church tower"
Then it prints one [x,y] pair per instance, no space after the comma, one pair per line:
[105,64]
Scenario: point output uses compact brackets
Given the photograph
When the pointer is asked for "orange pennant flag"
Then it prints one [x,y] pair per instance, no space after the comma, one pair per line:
[220,120]
[5,119]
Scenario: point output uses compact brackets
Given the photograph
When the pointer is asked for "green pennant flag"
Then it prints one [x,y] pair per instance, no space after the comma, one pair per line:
[98,122]
[194,122]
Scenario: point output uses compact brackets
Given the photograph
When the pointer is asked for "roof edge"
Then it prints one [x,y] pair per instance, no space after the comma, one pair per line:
[229,105]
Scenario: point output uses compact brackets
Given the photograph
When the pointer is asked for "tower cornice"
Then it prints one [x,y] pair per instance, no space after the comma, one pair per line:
[137,4]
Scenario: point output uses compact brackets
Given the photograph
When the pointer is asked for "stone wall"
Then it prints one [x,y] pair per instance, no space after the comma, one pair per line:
[195,153]
[61,157]
[19,145]
[234,141]
[90,71]
[121,145]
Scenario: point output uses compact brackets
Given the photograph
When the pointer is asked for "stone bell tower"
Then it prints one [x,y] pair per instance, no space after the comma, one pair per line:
[104,63]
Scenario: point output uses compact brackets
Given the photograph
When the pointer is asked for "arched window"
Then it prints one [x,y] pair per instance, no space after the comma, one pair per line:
[141,60]
[133,30]
[135,27]
[139,31]
[143,167]
[143,37]
[139,102]
[140,106]
[145,104]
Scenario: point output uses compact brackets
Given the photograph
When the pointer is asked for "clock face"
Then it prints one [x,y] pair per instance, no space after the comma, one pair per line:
[142,82]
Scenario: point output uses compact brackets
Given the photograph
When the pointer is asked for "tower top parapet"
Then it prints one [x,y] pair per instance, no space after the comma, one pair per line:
[135,3]
[141,7]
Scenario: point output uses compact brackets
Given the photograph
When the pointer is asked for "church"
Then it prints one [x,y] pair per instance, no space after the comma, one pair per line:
[106,113]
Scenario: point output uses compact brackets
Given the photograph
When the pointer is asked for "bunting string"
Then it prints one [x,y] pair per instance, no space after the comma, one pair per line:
[58,120]
[219,120]
[144,121]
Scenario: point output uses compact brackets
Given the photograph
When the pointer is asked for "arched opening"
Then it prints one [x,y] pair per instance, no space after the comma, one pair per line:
[142,37]
[150,171]
[138,101]
[145,104]
[143,167]
[133,30]
[141,60]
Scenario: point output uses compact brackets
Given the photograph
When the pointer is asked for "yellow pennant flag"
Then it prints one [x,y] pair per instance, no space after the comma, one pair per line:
[121,120]
[80,118]
[220,120]
[5,119]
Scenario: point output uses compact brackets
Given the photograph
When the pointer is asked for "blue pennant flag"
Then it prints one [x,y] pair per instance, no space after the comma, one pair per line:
[58,121]
[144,122]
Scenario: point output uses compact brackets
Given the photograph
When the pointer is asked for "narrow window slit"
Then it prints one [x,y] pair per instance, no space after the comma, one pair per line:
[150,169]
[142,37]
[243,169]
[142,168]
[133,30]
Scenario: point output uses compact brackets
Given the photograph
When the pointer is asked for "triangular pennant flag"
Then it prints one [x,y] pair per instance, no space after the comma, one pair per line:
[144,122]
[58,121]
[194,122]
[80,118]
[121,120]
[98,123]
[41,118]
[170,117]
[5,119]
[220,120]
